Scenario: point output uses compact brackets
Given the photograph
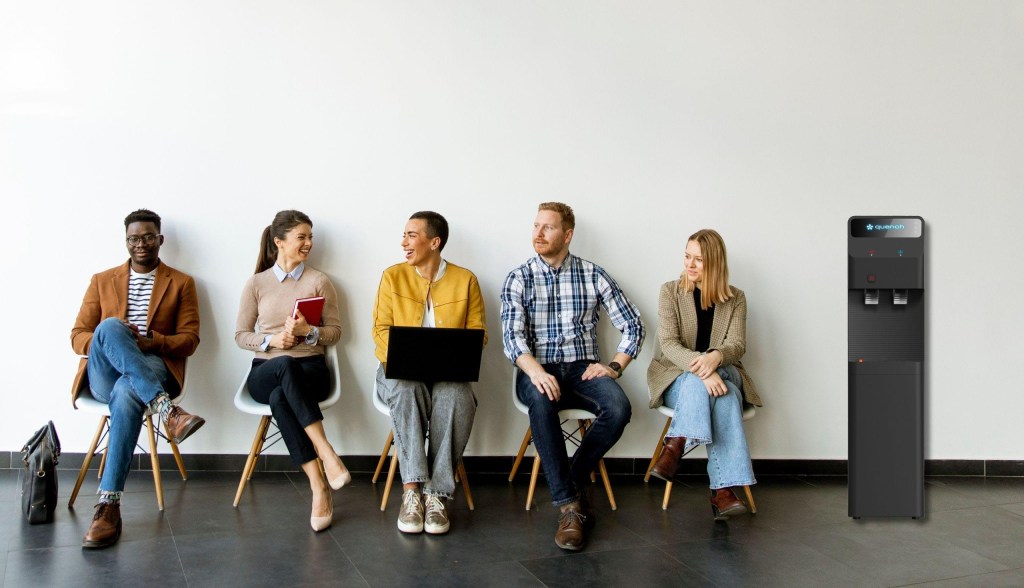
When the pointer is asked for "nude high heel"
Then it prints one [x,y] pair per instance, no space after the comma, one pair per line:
[321,523]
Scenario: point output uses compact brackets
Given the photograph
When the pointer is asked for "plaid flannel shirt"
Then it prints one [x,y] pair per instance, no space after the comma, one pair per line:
[552,313]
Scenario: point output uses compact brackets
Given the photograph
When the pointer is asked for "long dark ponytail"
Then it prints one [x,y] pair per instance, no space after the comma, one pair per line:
[284,221]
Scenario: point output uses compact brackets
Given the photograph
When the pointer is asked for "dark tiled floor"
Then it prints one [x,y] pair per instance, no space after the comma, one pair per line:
[801,536]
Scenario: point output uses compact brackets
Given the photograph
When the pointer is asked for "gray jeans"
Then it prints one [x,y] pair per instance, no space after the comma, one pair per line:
[441,413]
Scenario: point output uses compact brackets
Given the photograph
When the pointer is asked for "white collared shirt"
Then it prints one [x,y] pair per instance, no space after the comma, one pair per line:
[428,308]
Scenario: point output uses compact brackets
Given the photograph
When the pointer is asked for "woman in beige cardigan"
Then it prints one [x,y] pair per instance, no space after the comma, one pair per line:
[702,331]
[289,371]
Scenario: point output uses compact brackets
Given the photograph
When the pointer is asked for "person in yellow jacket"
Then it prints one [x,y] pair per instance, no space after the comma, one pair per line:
[426,291]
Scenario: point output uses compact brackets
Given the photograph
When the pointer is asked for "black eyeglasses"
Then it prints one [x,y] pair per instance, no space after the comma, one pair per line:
[148,239]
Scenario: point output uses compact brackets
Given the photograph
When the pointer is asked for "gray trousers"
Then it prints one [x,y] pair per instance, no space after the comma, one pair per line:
[438,415]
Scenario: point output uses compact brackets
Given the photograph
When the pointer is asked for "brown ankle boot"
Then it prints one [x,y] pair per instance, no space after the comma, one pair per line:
[105,529]
[180,424]
[572,528]
[668,461]
[725,503]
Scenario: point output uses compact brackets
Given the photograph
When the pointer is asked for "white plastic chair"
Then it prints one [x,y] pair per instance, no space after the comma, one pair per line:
[88,403]
[574,436]
[749,412]
[245,403]
[460,472]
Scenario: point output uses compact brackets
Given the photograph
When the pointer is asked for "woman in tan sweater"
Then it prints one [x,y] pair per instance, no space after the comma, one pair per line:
[289,371]
[702,323]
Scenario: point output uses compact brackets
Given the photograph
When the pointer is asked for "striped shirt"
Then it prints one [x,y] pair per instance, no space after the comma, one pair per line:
[552,313]
[140,289]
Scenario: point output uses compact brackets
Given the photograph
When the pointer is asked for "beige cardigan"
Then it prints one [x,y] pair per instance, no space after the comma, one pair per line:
[677,334]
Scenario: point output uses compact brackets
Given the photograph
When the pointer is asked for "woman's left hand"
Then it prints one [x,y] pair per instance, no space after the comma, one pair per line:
[297,326]
[706,364]
[715,385]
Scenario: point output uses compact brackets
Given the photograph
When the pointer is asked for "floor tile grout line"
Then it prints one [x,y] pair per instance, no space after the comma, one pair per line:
[683,563]
[177,552]
[532,575]
[978,575]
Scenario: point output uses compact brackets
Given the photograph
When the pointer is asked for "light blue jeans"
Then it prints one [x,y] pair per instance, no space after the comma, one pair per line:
[716,422]
[438,415]
[127,380]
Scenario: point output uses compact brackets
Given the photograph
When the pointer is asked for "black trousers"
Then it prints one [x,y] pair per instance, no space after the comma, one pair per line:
[293,387]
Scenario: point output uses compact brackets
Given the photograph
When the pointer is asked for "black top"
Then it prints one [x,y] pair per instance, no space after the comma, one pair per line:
[704,320]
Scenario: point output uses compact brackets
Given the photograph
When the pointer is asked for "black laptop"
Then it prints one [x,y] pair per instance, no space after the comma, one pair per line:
[434,355]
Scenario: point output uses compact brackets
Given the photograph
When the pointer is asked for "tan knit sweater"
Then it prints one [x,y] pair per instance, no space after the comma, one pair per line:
[677,336]
[266,304]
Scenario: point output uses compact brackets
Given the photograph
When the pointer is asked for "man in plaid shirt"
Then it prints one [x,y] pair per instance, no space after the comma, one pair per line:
[549,316]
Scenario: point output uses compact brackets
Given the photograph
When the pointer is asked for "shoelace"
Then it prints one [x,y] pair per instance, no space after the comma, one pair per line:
[434,504]
[410,502]
[568,515]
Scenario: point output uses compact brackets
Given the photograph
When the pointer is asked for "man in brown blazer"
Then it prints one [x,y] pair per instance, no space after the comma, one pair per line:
[138,323]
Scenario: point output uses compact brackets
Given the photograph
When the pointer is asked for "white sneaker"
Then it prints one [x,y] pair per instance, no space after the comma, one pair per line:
[410,518]
[437,516]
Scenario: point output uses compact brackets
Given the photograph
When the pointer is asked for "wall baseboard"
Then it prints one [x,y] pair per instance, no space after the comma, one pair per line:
[620,466]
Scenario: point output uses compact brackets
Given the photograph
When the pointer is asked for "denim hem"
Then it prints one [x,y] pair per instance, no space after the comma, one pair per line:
[734,484]
[565,501]
[432,492]
[692,442]
[420,480]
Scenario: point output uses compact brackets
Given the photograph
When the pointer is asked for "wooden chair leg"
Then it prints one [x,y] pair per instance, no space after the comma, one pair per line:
[250,462]
[583,426]
[522,451]
[750,500]
[88,460]
[177,459]
[657,450]
[465,485]
[103,462]
[383,456]
[391,478]
[668,493]
[607,484]
[533,482]
[259,448]
[156,463]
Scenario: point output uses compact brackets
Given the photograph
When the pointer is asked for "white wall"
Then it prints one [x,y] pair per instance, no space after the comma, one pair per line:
[772,122]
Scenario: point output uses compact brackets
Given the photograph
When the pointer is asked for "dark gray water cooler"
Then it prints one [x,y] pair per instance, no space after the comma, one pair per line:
[886,366]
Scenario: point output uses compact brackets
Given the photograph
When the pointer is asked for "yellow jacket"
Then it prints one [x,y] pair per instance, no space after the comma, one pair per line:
[402,297]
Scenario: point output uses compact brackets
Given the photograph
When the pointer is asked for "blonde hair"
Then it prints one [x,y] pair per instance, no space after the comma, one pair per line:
[715,284]
[564,210]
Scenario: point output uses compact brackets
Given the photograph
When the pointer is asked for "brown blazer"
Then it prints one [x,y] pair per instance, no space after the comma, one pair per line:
[173,317]
[677,335]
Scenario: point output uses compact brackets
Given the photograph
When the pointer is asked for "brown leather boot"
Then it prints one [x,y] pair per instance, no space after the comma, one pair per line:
[668,461]
[571,534]
[105,529]
[180,424]
[725,503]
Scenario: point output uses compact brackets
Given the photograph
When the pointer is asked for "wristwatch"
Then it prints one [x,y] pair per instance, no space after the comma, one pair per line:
[618,368]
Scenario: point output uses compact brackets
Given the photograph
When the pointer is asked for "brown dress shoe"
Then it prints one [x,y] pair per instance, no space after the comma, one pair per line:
[725,503]
[668,462]
[180,424]
[105,529]
[571,534]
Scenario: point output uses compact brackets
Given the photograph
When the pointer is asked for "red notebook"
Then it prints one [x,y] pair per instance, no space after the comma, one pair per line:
[311,308]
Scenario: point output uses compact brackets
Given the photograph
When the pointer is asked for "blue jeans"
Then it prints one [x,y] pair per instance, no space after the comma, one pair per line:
[127,380]
[716,422]
[601,396]
[440,412]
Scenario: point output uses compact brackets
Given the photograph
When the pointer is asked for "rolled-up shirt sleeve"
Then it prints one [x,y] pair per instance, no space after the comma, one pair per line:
[513,317]
[623,314]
